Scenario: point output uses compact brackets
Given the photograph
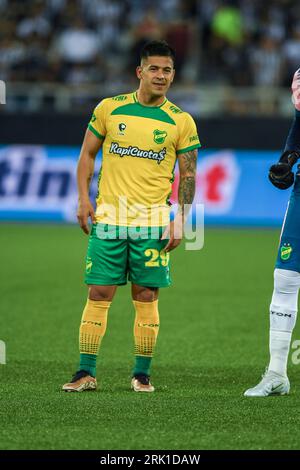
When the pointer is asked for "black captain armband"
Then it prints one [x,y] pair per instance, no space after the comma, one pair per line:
[281,174]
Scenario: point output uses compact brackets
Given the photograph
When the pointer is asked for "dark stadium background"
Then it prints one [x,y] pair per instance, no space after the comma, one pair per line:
[58,59]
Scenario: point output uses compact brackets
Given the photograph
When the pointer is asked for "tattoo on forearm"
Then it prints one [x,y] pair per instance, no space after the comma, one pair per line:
[190,161]
[186,190]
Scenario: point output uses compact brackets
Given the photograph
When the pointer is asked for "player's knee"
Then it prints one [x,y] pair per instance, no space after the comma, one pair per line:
[286,282]
[104,293]
[145,294]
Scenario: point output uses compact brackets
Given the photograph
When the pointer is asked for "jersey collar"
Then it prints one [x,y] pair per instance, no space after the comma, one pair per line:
[135,98]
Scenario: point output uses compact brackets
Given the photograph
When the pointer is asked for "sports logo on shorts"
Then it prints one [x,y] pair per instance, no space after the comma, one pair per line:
[159,136]
[89,264]
[286,251]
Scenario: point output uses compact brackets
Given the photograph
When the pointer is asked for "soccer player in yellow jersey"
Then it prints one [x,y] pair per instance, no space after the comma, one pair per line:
[142,134]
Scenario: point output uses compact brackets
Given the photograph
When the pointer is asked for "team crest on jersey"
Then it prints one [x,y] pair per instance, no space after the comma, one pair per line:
[286,251]
[122,128]
[159,136]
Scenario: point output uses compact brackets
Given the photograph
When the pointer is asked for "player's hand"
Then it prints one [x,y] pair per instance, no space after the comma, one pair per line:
[174,232]
[281,174]
[296,89]
[84,211]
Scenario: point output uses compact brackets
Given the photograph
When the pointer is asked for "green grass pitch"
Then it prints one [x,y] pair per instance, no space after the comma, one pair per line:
[213,344]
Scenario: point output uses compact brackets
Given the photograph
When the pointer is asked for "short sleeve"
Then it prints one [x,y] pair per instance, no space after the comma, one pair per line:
[97,123]
[188,137]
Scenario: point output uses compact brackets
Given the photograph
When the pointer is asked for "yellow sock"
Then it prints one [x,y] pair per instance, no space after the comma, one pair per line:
[146,327]
[93,326]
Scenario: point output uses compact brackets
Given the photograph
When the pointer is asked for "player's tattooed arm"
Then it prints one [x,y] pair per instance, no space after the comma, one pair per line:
[187,169]
[186,192]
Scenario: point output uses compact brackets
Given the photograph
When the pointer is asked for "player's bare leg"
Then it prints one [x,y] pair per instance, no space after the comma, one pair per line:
[102,293]
[146,326]
[144,294]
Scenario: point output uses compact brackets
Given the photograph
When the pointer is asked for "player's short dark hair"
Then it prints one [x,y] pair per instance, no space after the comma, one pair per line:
[159,48]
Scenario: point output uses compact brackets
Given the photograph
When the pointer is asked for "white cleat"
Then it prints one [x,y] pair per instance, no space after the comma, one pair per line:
[271,384]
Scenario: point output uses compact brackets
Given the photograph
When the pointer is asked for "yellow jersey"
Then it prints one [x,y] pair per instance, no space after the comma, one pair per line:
[140,146]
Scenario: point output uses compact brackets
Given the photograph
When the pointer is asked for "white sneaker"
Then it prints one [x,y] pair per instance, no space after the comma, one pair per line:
[271,384]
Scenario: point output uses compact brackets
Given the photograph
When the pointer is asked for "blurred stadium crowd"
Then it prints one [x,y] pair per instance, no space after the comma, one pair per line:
[237,42]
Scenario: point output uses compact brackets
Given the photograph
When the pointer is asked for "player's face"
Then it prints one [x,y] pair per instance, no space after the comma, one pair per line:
[156,74]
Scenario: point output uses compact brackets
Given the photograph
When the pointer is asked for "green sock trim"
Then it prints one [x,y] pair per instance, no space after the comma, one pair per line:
[142,365]
[88,362]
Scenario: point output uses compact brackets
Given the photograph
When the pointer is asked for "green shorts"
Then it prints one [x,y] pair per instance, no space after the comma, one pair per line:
[115,253]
